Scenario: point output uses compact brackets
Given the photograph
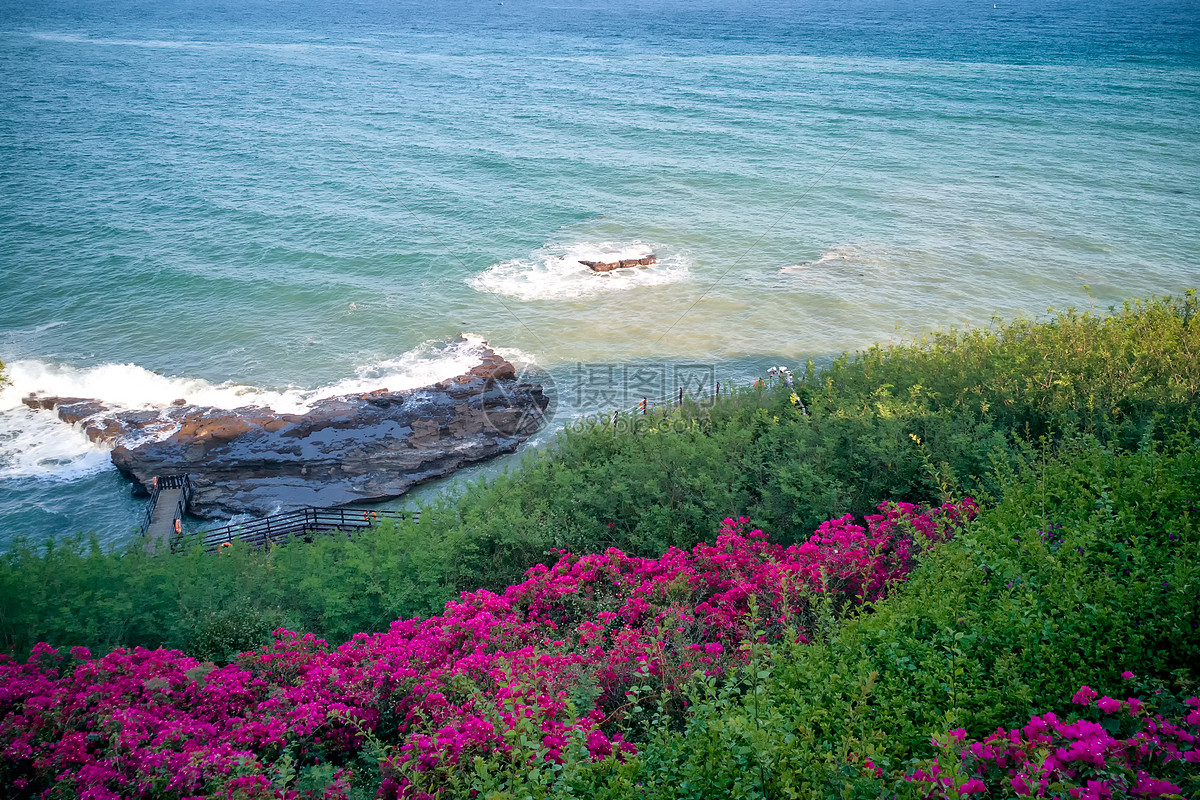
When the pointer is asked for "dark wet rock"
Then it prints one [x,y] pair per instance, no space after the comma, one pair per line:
[627,263]
[353,448]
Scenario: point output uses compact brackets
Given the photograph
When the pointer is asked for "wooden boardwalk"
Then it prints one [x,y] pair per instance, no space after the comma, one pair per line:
[162,525]
[164,515]
[161,529]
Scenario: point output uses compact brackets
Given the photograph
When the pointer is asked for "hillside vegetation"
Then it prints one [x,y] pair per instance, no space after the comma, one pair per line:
[922,423]
[1049,647]
[1088,568]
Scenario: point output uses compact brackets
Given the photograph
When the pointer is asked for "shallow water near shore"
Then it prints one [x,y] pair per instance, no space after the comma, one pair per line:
[269,202]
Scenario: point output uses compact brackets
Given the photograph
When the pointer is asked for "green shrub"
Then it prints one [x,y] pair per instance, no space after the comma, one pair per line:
[918,422]
[1003,622]
[211,605]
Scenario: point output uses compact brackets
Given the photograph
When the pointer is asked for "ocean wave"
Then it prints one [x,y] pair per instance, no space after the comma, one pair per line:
[190,44]
[847,255]
[36,444]
[554,272]
[861,259]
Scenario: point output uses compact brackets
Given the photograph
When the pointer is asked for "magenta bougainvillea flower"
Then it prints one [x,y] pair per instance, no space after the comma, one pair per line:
[549,664]
[1049,757]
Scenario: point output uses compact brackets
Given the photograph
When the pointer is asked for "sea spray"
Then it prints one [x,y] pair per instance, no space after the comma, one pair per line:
[35,444]
[556,271]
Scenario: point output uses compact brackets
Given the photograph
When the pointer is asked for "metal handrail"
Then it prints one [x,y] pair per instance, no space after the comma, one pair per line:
[674,399]
[266,532]
[184,482]
[149,515]
[160,483]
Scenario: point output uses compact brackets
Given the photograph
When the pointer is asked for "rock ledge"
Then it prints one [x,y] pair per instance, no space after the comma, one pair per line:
[354,448]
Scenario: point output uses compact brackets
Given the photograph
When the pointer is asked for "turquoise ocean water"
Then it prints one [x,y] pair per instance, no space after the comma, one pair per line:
[274,201]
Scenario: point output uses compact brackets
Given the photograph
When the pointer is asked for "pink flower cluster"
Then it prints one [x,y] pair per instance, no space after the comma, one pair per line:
[131,724]
[555,662]
[1081,759]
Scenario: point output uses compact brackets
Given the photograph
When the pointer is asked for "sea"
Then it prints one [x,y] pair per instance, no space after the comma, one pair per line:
[265,202]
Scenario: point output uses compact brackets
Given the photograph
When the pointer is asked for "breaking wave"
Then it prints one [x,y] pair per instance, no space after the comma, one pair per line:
[37,444]
[554,272]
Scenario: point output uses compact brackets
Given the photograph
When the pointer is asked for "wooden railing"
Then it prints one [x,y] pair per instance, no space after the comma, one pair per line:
[268,532]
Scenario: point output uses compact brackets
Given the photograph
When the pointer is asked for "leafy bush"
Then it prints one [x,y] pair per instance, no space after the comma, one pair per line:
[1117,749]
[213,606]
[1079,432]
[1088,567]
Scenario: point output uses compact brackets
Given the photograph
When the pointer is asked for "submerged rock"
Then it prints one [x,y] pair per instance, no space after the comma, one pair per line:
[353,448]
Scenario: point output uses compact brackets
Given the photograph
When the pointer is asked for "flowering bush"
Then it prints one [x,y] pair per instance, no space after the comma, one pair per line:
[1122,751]
[555,667]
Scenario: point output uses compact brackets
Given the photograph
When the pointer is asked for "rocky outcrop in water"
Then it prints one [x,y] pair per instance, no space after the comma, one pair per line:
[625,263]
[359,447]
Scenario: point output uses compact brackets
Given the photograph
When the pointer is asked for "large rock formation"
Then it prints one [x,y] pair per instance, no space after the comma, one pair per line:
[344,449]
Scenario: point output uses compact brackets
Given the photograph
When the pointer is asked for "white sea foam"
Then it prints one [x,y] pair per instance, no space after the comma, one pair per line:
[518,357]
[554,272]
[848,255]
[846,269]
[429,363]
[37,444]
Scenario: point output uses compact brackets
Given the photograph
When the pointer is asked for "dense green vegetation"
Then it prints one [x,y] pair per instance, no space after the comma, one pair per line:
[916,422]
[1081,582]
[1004,622]
[1080,436]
